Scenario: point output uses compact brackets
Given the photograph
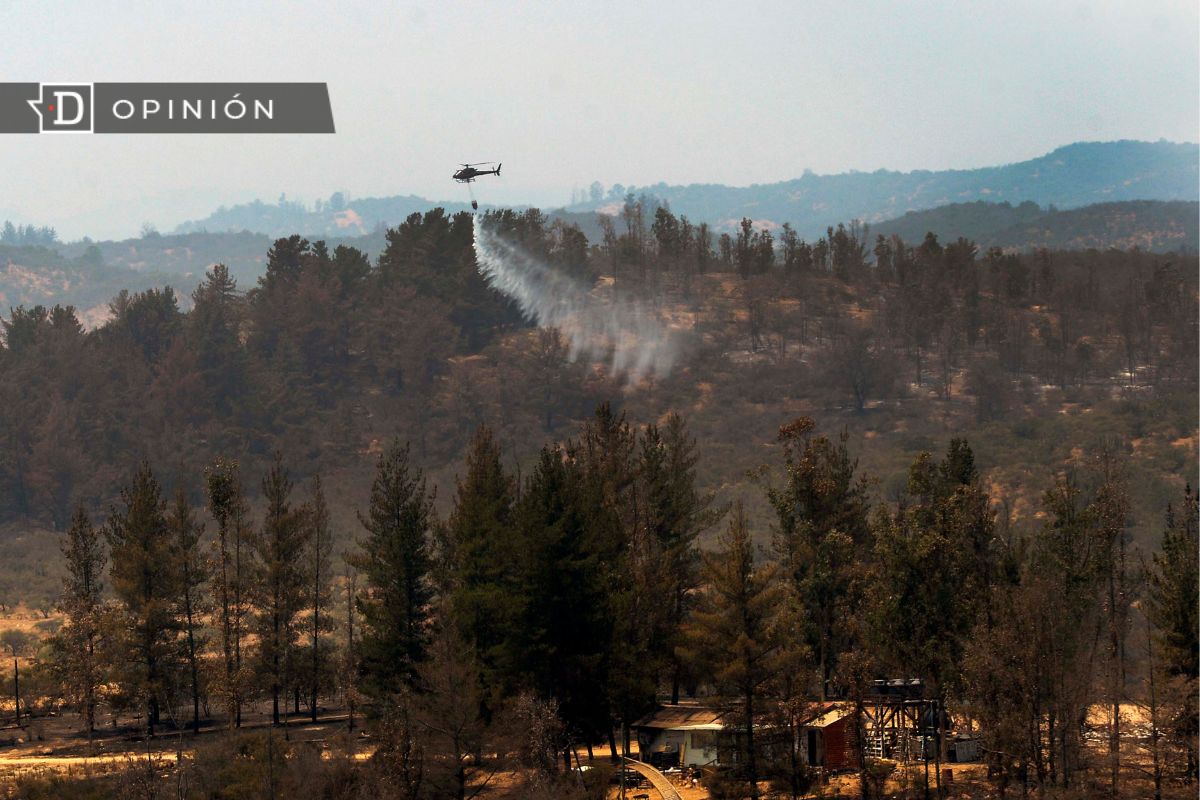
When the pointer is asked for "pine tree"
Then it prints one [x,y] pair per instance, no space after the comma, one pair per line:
[186,533]
[228,506]
[822,536]
[145,578]
[1174,584]
[448,710]
[1004,690]
[318,560]
[1069,619]
[563,628]
[280,581]
[640,605]
[350,661]
[930,578]
[1028,667]
[1112,511]
[395,564]
[76,658]
[603,501]
[481,554]
[736,631]
[212,328]
[605,451]
[676,512]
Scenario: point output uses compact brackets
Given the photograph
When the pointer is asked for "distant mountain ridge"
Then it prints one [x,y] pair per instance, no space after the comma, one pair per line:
[1069,177]
[1072,176]
[335,217]
[31,276]
[1153,225]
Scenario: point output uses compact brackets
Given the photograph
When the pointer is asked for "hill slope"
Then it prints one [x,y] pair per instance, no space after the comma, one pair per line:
[335,217]
[88,275]
[1037,362]
[31,276]
[1147,224]
[1071,176]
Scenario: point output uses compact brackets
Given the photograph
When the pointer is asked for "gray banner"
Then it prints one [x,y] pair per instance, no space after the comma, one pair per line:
[166,108]
[16,115]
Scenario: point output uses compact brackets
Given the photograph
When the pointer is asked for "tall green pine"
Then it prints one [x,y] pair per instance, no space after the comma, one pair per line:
[676,512]
[481,553]
[1174,585]
[823,536]
[395,563]
[193,577]
[563,625]
[76,647]
[737,632]
[280,582]
[318,561]
[227,505]
[145,578]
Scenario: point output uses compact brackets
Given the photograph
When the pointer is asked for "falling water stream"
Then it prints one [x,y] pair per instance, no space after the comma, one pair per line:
[624,333]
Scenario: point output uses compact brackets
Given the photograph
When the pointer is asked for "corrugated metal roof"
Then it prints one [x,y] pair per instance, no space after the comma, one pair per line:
[683,718]
[826,714]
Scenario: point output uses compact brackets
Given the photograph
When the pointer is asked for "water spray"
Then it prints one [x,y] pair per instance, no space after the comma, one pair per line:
[626,334]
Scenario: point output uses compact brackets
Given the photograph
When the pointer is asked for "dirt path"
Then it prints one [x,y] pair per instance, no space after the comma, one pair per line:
[66,755]
[659,781]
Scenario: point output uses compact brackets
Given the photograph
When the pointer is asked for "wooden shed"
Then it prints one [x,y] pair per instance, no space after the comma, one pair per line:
[828,738]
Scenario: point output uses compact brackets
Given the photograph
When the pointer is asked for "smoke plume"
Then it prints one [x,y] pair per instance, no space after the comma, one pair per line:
[625,334]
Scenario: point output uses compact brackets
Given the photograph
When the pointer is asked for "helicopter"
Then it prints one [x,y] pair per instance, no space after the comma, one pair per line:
[468,173]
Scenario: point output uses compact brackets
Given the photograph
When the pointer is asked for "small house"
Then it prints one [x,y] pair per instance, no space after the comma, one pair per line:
[680,736]
[697,736]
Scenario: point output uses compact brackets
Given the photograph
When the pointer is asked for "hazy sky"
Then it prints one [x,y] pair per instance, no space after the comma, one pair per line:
[566,93]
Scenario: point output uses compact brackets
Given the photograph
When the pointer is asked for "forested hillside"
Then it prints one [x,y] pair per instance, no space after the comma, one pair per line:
[1037,359]
[89,274]
[1144,224]
[371,485]
[34,275]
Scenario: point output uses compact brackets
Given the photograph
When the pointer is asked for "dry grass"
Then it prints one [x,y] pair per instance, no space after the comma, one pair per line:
[25,619]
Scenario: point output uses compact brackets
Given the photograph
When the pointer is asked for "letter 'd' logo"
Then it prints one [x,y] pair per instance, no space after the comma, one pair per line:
[65,107]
